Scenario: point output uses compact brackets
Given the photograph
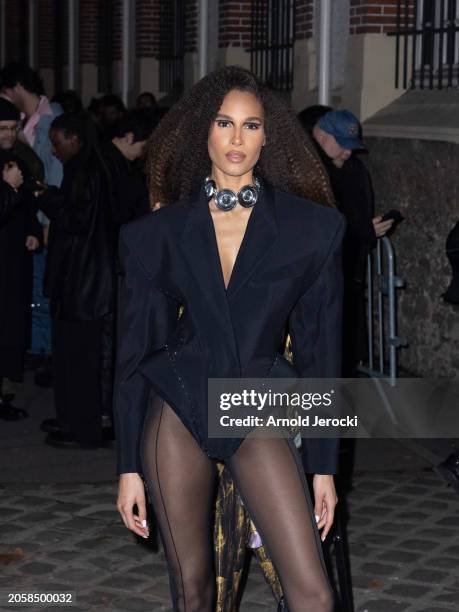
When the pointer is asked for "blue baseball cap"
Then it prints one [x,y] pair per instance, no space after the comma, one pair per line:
[344,127]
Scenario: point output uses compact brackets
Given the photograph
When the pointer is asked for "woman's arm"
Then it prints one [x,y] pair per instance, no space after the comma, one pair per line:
[146,317]
[316,332]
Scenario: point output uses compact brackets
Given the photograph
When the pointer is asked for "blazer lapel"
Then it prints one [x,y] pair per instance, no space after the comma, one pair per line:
[259,239]
[199,246]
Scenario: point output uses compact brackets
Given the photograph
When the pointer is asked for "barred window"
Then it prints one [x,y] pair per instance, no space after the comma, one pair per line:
[171,45]
[273,39]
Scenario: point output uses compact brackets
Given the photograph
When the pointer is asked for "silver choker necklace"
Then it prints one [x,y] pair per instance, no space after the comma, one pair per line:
[227,199]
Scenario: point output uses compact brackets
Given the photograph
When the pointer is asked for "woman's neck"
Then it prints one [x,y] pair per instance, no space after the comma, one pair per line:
[226,181]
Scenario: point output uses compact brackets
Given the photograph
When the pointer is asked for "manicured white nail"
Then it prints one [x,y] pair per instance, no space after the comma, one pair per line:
[317,518]
[144,523]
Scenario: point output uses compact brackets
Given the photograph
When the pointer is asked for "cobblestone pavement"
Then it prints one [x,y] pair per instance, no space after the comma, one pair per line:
[403,534]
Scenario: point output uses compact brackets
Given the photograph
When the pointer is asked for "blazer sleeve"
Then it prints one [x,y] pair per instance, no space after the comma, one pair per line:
[146,317]
[316,332]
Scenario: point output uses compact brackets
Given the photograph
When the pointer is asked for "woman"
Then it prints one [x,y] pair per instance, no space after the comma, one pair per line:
[242,276]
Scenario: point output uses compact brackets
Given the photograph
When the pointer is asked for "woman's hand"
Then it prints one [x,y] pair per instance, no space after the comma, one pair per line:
[325,500]
[12,175]
[131,493]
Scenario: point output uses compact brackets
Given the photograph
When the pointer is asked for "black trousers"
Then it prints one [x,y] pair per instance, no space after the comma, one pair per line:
[77,364]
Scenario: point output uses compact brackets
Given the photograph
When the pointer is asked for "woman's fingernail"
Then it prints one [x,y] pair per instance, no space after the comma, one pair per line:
[317,518]
[145,536]
[144,523]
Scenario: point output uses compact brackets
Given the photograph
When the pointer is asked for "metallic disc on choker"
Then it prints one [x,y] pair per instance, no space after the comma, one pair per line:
[210,188]
[247,196]
[226,199]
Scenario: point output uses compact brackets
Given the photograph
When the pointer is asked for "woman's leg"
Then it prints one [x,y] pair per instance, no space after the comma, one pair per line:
[270,478]
[180,479]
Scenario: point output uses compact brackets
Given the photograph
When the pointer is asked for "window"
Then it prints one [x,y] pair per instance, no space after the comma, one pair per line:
[273,38]
[428,43]
[172,46]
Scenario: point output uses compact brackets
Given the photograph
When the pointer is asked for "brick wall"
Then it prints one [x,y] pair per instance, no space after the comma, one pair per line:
[235,23]
[377,16]
[89,13]
[304,19]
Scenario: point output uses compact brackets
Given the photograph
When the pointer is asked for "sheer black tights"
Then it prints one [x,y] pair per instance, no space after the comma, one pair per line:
[268,474]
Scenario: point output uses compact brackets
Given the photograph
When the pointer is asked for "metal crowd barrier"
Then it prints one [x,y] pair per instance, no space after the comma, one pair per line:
[382,350]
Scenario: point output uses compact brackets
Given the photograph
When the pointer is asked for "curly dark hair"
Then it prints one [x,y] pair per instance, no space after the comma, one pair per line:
[177,156]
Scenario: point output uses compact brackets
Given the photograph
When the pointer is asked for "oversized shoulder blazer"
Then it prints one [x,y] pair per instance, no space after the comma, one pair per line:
[287,277]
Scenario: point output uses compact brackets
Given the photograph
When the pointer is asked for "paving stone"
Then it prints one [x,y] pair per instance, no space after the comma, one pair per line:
[383,605]
[91,544]
[439,532]
[413,515]
[399,556]
[367,582]
[97,598]
[79,523]
[134,552]
[33,501]
[393,500]
[379,569]
[135,604]
[452,521]
[7,513]
[452,550]
[66,508]
[37,568]
[153,571]
[447,563]
[48,536]
[428,576]
[451,597]
[38,517]
[122,582]
[65,555]
[9,528]
[78,575]
[433,609]
[160,589]
[414,591]
[424,545]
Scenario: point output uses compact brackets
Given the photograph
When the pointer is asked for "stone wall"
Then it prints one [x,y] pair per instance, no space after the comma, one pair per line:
[420,178]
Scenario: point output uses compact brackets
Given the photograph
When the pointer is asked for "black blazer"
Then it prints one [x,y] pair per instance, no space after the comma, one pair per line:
[287,277]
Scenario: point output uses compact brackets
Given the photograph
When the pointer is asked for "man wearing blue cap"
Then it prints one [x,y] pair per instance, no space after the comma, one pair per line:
[337,135]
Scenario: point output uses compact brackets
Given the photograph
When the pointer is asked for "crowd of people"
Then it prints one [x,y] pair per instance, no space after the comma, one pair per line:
[71,178]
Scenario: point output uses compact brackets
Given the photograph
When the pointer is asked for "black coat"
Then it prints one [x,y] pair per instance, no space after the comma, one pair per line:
[80,268]
[128,186]
[287,273]
[17,221]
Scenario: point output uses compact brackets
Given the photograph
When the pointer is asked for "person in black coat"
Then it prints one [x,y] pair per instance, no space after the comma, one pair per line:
[336,135]
[20,235]
[129,192]
[212,284]
[79,279]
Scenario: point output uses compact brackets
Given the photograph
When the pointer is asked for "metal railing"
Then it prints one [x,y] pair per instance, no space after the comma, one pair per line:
[273,38]
[171,45]
[383,351]
[427,44]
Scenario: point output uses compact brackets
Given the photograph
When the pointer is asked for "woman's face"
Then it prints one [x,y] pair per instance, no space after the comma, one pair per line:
[237,134]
